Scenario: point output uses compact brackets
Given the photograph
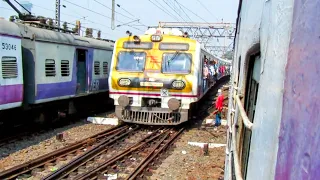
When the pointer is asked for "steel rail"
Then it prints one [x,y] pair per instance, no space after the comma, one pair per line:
[143,165]
[78,161]
[14,172]
[93,174]
[128,149]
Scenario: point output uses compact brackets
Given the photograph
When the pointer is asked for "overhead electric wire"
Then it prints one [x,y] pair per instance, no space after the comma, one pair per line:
[174,10]
[114,11]
[87,9]
[207,9]
[131,14]
[55,11]
[124,9]
[117,12]
[192,12]
[7,9]
[164,8]
[78,17]
[172,16]
[183,11]
[99,13]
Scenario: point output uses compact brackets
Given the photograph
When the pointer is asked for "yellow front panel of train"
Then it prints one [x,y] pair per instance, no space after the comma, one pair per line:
[149,66]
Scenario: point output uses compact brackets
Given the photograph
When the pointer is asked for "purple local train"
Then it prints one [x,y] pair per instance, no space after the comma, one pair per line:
[40,66]
[275,81]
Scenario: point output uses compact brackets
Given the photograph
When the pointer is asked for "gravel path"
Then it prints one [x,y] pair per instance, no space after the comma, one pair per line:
[188,162]
[193,165]
[39,144]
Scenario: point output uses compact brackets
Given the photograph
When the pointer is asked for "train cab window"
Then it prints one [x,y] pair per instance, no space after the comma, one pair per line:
[96,68]
[105,68]
[50,68]
[131,61]
[176,63]
[65,69]
[9,67]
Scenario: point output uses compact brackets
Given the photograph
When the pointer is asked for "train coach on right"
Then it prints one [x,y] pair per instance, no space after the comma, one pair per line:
[274,101]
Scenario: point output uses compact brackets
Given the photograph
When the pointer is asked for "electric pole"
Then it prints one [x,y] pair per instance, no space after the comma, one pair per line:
[58,13]
[112,15]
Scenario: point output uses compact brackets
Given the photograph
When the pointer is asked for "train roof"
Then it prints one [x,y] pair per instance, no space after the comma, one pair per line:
[9,28]
[64,38]
[46,35]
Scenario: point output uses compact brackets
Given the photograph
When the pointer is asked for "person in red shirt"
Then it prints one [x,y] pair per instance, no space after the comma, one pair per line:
[219,107]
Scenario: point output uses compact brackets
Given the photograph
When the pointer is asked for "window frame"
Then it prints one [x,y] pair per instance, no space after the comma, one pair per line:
[132,42]
[173,43]
[45,66]
[94,68]
[144,66]
[163,55]
[68,68]
[105,72]
[17,68]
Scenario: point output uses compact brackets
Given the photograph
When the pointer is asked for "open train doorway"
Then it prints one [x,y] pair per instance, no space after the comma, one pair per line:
[81,71]
[252,89]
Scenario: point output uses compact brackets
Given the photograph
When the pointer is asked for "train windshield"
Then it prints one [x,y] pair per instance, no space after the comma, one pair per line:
[176,63]
[131,61]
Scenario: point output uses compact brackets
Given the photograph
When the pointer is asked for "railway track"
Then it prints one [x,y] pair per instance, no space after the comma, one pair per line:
[32,129]
[48,161]
[129,163]
[125,151]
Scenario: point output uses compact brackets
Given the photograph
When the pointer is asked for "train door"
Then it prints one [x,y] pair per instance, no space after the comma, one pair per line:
[204,81]
[81,71]
[252,88]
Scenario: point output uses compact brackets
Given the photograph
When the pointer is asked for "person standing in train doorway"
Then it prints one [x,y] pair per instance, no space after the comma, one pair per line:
[219,107]
[205,74]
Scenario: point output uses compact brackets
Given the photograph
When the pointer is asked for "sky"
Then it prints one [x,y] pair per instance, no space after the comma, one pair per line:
[97,15]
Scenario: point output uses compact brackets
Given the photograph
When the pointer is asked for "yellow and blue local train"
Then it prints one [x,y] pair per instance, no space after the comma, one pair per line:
[157,78]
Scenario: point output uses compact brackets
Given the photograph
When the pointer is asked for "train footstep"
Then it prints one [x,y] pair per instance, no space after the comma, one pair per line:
[103,120]
[211,145]
[211,121]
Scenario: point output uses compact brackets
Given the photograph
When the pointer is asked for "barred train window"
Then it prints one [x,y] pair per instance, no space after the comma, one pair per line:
[9,67]
[65,69]
[105,67]
[50,67]
[96,68]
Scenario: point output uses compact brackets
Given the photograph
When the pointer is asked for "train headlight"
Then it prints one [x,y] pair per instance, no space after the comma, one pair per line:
[174,104]
[136,39]
[123,101]
[156,38]
[178,84]
[124,82]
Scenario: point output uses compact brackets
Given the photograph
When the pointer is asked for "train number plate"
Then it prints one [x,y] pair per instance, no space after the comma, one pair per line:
[164,92]
[151,84]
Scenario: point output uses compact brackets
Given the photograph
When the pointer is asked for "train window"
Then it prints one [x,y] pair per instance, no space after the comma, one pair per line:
[65,69]
[96,68]
[174,46]
[105,68]
[9,67]
[50,67]
[252,90]
[176,63]
[141,45]
[131,61]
